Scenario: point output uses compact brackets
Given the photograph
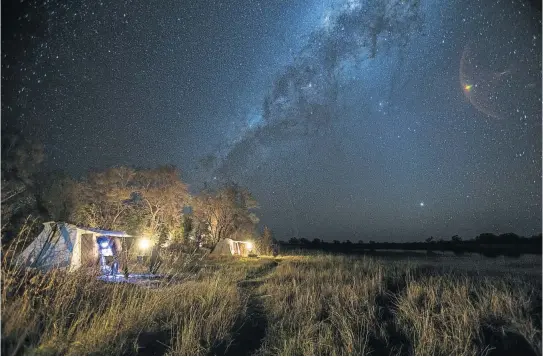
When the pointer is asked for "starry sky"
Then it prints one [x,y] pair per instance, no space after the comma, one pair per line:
[385,120]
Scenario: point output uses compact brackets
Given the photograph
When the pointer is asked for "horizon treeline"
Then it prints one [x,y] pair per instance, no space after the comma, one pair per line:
[488,244]
[486,238]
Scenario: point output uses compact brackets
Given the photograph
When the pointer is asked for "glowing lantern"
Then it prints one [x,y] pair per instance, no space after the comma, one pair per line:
[144,243]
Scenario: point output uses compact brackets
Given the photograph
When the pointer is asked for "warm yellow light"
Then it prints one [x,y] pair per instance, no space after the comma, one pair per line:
[144,243]
[467,87]
[249,245]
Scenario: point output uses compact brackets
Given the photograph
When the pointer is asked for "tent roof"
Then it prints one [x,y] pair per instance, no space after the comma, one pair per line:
[108,233]
[99,231]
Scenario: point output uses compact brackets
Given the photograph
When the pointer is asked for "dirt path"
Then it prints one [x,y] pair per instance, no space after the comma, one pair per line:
[250,330]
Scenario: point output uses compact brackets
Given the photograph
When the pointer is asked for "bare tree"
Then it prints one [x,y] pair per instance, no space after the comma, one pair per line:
[102,199]
[162,196]
[226,212]
[265,243]
[148,201]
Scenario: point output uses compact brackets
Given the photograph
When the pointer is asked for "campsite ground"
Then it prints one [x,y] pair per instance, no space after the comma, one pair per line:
[289,305]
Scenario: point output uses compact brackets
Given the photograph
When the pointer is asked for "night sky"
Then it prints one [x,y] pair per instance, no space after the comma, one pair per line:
[362,120]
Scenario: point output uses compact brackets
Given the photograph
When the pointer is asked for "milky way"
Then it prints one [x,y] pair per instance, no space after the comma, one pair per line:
[303,98]
[382,120]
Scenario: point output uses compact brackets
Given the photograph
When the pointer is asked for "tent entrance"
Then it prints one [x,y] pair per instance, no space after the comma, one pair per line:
[89,253]
[239,248]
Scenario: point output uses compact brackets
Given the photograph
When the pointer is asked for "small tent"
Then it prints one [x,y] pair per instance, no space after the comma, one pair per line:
[64,245]
[232,247]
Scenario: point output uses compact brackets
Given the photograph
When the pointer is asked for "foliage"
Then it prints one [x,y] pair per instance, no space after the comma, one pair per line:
[265,243]
[162,196]
[294,240]
[456,239]
[187,227]
[21,160]
[225,213]
[102,199]
[145,201]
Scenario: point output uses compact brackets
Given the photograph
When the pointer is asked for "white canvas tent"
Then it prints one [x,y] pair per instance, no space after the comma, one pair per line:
[232,247]
[64,245]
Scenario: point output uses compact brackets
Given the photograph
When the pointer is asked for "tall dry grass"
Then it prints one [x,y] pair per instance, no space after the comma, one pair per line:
[60,313]
[306,305]
[469,316]
[325,305]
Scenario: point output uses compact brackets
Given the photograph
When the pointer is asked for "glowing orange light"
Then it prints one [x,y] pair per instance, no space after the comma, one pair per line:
[467,87]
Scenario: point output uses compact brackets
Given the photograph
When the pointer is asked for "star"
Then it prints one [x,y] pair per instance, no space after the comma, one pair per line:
[317,106]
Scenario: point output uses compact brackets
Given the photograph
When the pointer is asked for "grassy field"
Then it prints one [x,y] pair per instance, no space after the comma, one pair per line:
[290,305]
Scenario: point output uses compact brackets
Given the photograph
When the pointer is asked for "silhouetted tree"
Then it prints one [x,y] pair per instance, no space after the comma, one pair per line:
[266,242]
[226,213]
[429,242]
[304,241]
[508,238]
[56,195]
[441,244]
[21,161]
[294,240]
[486,238]
[456,239]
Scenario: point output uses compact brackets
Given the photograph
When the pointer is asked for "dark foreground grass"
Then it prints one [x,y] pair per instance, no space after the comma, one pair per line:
[316,305]
[339,305]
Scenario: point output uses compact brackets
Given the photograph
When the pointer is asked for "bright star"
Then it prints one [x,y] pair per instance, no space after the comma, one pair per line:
[422,204]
